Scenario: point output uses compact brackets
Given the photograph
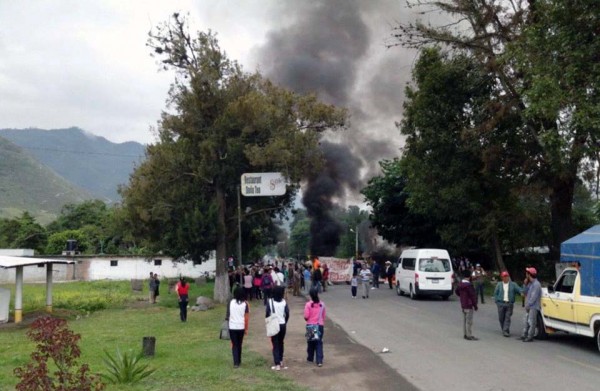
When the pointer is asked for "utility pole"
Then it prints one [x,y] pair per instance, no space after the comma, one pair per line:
[239,243]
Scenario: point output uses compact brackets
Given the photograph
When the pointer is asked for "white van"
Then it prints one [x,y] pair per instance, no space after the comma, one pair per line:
[424,272]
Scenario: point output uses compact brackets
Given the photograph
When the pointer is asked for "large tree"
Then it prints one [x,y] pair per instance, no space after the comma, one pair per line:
[541,56]
[222,122]
[387,196]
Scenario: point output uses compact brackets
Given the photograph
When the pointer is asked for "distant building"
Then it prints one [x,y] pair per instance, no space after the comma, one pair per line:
[108,267]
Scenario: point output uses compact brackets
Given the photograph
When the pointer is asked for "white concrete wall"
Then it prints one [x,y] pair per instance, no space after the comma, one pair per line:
[98,268]
[128,268]
[60,272]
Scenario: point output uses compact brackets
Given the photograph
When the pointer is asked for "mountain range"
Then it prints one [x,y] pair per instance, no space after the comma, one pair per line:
[41,170]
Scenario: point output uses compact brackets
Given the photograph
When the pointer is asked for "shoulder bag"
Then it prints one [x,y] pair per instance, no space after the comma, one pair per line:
[312,330]
[272,322]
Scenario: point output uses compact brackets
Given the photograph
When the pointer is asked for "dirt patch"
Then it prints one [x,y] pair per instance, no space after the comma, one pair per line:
[347,365]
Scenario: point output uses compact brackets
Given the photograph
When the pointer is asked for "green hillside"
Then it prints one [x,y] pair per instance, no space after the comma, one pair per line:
[90,162]
[27,185]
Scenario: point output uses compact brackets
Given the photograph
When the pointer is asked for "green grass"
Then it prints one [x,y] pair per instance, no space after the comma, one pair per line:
[78,296]
[189,356]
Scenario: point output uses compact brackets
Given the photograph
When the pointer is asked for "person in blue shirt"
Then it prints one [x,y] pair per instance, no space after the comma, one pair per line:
[375,270]
[307,277]
[532,304]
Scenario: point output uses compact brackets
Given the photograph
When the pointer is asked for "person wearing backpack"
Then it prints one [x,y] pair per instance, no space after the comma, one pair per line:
[314,315]
[266,284]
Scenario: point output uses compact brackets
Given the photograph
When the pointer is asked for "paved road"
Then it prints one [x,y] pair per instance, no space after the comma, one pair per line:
[426,345]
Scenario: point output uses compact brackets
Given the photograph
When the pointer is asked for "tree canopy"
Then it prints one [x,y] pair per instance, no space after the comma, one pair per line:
[544,92]
[222,123]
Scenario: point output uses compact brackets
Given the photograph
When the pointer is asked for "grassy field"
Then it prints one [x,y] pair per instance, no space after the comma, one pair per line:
[189,356]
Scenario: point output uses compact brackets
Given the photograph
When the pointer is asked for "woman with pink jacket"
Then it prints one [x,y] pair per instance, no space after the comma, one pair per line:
[314,314]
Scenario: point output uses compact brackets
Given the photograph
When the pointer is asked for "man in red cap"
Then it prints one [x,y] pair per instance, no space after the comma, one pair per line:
[504,296]
[532,303]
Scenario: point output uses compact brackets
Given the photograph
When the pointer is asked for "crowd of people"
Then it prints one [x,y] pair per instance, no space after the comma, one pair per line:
[272,282]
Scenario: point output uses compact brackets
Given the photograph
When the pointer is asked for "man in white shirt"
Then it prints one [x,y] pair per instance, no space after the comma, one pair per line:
[365,277]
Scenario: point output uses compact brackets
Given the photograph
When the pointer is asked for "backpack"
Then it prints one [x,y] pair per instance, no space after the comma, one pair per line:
[267,281]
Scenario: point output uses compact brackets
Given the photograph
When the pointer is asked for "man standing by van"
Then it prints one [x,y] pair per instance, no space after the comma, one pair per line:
[504,296]
[532,303]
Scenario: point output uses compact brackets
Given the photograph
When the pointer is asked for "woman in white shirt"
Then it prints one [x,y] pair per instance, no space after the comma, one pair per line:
[278,306]
[238,315]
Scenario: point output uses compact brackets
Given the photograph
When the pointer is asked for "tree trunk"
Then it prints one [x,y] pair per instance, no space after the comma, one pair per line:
[221,292]
[561,206]
[498,251]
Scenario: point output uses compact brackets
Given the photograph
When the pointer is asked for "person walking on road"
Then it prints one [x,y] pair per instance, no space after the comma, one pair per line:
[238,316]
[504,296]
[182,288]
[376,271]
[478,279]
[307,278]
[317,278]
[468,303]
[279,306]
[365,277]
[532,304]
[297,280]
[266,284]
[354,286]
[389,273]
[314,314]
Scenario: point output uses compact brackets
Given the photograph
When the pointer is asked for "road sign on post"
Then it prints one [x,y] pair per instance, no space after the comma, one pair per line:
[260,184]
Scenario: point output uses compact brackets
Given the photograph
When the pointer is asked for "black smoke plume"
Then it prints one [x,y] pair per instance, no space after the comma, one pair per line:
[327,47]
[338,175]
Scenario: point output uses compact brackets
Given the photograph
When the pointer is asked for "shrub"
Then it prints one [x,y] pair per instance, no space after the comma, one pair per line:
[125,368]
[55,341]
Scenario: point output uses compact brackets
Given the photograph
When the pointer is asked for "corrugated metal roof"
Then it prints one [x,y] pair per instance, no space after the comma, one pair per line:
[8,262]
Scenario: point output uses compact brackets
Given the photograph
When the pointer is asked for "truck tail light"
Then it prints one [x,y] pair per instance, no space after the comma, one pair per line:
[416,278]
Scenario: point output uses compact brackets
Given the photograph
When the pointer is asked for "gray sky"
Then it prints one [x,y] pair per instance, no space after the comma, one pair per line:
[85,63]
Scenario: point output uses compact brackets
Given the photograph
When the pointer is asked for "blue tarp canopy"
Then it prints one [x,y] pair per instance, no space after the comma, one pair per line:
[585,249]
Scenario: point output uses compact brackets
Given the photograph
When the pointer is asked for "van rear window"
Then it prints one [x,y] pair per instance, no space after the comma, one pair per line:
[436,265]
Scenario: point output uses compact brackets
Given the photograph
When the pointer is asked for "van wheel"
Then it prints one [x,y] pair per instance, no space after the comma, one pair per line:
[445,297]
[412,294]
[540,329]
[597,327]
[398,290]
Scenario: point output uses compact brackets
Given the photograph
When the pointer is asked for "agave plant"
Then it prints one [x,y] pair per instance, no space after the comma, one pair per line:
[125,368]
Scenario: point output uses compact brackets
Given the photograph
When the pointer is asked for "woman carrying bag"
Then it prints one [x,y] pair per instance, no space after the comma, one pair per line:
[314,314]
[238,315]
[278,306]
